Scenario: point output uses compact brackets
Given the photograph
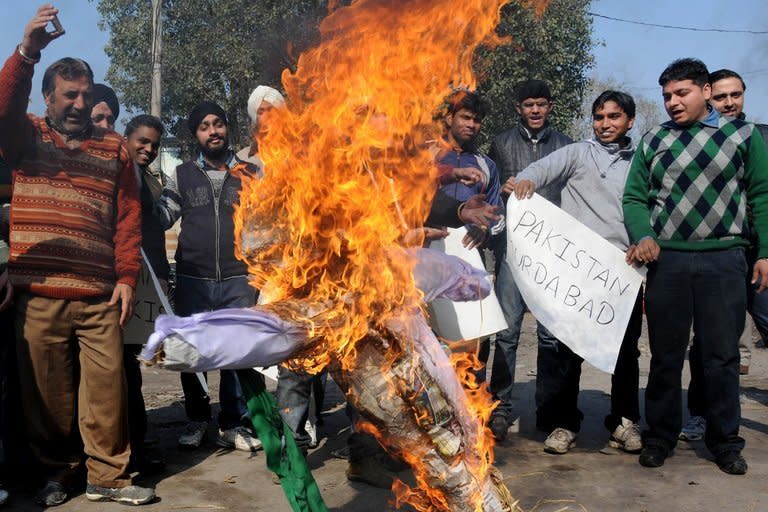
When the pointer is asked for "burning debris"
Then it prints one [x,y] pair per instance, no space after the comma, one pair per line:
[403,382]
[347,174]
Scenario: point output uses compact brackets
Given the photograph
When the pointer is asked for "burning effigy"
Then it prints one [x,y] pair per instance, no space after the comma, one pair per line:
[347,174]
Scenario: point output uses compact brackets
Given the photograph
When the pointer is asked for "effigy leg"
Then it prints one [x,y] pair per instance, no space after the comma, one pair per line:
[399,389]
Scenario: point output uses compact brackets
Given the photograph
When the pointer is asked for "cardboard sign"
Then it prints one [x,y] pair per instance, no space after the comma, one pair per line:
[149,302]
[456,321]
[575,282]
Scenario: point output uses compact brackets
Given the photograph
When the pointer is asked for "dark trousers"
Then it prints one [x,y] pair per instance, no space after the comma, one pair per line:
[137,412]
[706,289]
[757,306]
[294,392]
[505,356]
[557,382]
[195,296]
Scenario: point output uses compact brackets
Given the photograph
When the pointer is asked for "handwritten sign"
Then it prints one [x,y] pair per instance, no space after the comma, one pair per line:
[455,321]
[147,306]
[574,281]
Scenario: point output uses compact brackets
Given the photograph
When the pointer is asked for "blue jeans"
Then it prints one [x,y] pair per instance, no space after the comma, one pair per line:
[196,296]
[294,393]
[707,289]
[505,357]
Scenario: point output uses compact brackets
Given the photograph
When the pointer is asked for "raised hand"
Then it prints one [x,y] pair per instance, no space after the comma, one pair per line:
[36,37]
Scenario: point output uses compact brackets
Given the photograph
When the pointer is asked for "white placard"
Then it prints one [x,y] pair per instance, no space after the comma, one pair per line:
[575,282]
[456,321]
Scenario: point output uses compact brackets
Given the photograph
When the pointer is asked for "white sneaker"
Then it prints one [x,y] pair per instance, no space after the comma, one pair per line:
[193,434]
[3,496]
[627,437]
[559,441]
[238,438]
[694,429]
[312,433]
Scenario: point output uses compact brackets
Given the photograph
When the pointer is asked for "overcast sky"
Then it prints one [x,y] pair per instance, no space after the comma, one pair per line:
[632,55]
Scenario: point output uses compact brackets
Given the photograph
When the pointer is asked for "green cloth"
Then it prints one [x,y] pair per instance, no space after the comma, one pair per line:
[283,456]
[689,187]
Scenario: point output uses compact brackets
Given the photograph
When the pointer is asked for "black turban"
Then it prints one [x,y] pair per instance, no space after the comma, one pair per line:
[203,109]
[105,93]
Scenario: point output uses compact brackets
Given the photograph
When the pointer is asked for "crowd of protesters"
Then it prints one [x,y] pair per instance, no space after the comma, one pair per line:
[688,199]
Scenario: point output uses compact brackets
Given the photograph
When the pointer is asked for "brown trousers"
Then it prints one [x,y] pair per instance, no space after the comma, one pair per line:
[59,340]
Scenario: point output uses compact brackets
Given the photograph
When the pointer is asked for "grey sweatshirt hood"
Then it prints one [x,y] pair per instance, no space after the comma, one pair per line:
[592,175]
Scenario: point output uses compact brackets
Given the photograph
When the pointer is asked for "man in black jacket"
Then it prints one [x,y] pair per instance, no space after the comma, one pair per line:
[202,193]
[143,134]
[513,150]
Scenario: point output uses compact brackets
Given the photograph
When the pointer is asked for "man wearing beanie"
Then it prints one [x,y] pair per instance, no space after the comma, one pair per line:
[106,108]
[202,193]
[514,150]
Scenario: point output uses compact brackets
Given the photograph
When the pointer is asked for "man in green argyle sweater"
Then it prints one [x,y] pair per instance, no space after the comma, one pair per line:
[685,207]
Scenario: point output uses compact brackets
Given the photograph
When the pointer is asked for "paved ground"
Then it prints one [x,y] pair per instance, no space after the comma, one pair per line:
[583,480]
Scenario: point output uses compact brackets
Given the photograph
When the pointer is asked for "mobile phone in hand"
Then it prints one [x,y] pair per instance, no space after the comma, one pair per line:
[57,26]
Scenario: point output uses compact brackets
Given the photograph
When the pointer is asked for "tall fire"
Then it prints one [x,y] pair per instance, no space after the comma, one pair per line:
[347,174]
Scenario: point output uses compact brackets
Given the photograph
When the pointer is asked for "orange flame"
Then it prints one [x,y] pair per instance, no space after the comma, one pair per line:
[480,404]
[347,173]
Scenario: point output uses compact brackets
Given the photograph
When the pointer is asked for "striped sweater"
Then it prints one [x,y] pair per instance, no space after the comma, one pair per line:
[75,213]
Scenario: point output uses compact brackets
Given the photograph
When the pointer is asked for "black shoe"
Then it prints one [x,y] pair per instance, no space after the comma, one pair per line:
[148,466]
[51,495]
[393,464]
[653,456]
[499,427]
[732,463]
[369,470]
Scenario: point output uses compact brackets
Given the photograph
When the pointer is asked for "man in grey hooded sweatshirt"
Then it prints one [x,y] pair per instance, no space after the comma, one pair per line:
[592,173]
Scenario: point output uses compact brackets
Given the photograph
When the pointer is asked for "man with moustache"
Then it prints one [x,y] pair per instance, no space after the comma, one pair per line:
[513,150]
[202,193]
[74,261]
[728,89]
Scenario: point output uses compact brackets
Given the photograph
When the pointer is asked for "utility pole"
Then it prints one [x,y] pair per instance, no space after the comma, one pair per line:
[157,55]
[155,108]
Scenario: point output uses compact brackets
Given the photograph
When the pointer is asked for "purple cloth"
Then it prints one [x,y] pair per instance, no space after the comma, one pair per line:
[252,337]
[225,339]
[441,276]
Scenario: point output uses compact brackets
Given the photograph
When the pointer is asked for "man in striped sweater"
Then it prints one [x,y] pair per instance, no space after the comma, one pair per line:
[75,233]
[685,206]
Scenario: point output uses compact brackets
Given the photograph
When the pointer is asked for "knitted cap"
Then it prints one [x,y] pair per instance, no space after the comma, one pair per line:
[203,109]
[263,93]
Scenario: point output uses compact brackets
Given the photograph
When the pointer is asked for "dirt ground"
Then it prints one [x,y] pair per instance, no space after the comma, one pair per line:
[589,478]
